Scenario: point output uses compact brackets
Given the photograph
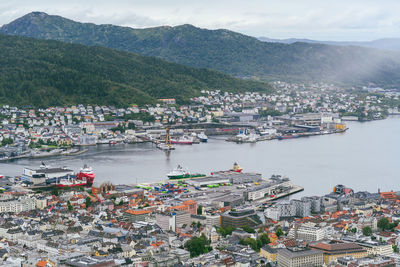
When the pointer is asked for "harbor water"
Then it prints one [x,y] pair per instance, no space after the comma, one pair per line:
[366,157]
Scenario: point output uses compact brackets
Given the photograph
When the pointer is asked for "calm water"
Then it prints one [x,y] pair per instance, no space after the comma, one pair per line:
[366,157]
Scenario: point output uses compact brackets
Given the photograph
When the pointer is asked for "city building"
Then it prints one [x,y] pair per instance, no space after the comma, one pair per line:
[240,218]
[300,257]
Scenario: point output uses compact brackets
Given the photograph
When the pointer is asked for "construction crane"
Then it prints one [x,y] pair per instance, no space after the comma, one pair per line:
[168,138]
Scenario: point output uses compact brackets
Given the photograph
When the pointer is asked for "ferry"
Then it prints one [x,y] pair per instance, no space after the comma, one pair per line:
[184,140]
[180,173]
[47,175]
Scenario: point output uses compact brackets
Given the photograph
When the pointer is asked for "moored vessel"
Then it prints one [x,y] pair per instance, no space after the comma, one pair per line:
[203,137]
[288,136]
[180,173]
[184,140]
[86,173]
[71,182]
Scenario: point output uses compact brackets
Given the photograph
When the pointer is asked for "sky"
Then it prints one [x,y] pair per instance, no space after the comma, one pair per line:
[334,20]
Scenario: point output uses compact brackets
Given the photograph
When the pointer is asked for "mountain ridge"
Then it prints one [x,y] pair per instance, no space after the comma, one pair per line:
[382,43]
[48,72]
[225,51]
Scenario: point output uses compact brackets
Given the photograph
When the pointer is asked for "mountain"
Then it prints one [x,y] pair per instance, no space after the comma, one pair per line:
[45,72]
[385,43]
[224,51]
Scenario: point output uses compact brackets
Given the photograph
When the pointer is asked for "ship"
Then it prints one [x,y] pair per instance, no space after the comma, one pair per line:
[235,168]
[289,136]
[203,137]
[86,173]
[184,140]
[180,173]
[70,182]
[165,147]
[47,176]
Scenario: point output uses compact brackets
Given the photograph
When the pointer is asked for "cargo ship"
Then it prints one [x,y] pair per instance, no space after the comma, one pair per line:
[180,173]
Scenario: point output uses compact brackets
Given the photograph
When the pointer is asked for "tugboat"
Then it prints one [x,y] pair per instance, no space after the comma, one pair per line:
[86,173]
[180,173]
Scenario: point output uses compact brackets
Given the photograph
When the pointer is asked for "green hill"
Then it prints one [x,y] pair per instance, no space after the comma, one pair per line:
[45,72]
[224,50]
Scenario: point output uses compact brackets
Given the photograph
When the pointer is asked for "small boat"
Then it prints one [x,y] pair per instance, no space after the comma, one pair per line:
[163,146]
[180,173]
[184,140]
[289,136]
[203,137]
[112,142]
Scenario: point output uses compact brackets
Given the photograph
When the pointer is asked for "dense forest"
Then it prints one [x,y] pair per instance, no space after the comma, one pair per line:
[224,51]
[44,72]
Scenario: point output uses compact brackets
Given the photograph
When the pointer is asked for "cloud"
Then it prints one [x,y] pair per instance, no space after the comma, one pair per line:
[314,19]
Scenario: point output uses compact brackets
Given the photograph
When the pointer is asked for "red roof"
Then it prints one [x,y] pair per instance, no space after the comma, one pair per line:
[138,212]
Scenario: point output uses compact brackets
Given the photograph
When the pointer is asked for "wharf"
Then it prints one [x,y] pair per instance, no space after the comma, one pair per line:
[293,190]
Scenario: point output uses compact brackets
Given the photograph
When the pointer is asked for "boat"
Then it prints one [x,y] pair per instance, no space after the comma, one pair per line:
[235,168]
[112,142]
[203,137]
[70,182]
[163,146]
[184,140]
[86,173]
[289,136]
[180,173]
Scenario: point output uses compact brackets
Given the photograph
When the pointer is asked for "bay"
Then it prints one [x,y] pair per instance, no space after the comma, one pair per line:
[366,157]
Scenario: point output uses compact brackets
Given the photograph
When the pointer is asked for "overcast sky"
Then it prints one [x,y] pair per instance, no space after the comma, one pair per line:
[338,20]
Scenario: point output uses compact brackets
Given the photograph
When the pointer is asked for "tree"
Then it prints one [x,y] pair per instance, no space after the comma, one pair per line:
[198,245]
[279,232]
[225,231]
[353,230]
[70,207]
[248,229]
[383,223]
[200,210]
[54,191]
[249,242]
[88,202]
[395,248]
[367,231]
[264,239]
